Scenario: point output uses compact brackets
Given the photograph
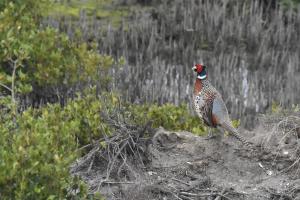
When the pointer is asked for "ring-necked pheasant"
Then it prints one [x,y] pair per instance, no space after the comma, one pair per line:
[210,106]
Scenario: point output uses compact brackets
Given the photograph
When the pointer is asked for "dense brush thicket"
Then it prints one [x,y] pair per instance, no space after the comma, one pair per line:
[38,145]
[251,50]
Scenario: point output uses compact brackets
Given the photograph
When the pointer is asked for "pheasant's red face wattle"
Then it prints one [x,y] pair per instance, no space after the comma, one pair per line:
[198,68]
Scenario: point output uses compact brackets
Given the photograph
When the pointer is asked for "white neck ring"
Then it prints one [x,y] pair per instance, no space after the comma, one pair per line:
[201,77]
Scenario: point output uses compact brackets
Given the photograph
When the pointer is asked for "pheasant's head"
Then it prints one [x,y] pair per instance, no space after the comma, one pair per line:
[201,72]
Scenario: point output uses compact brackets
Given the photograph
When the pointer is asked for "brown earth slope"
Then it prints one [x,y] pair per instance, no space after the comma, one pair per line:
[180,165]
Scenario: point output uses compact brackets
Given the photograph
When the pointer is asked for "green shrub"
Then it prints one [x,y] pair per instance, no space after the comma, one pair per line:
[277,109]
[37,146]
[42,60]
[168,116]
[290,3]
[105,10]
[35,155]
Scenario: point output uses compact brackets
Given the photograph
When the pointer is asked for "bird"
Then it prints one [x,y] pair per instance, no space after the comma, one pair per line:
[209,105]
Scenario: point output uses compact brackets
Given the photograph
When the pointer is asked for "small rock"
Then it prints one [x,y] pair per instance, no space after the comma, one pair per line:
[151,173]
[269,172]
[285,152]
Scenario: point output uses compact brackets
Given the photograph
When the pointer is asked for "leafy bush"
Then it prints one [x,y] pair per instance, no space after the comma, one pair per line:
[34,158]
[168,116]
[105,10]
[290,3]
[35,154]
[44,61]
[277,109]
[37,146]
[85,114]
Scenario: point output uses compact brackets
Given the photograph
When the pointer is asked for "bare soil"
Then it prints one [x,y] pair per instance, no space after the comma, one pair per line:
[180,165]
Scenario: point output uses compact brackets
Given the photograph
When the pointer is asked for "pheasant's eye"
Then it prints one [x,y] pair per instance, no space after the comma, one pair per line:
[195,68]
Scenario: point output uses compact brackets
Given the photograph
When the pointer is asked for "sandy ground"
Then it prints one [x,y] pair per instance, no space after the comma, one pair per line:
[180,165]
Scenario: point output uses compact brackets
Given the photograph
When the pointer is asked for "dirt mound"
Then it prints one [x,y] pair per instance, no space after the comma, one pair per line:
[180,165]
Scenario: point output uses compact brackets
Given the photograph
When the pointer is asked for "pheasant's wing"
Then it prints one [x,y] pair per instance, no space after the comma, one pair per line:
[219,111]
[220,115]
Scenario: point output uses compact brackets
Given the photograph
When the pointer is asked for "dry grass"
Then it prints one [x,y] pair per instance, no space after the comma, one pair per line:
[116,156]
[281,135]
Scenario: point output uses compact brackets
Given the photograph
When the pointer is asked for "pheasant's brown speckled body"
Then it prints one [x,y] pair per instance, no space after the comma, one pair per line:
[209,106]
[204,95]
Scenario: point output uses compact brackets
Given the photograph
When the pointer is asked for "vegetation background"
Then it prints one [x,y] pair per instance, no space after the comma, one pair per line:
[65,63]
[251,49]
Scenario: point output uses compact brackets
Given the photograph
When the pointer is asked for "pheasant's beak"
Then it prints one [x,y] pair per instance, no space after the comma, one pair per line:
[194,68]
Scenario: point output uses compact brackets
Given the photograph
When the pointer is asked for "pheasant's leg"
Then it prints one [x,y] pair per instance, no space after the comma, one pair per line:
[210,134]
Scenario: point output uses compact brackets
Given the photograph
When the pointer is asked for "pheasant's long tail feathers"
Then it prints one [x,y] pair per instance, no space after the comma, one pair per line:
[228,127]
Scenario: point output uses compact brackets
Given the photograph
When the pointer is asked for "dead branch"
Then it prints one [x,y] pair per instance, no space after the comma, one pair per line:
[125,146]
[221,194]
[180,181]
[291,166]
[280,195]
[203,194]
[114,182]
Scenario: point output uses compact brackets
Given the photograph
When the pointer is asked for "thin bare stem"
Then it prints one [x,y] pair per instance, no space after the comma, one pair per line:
[6,87]
[15,66]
